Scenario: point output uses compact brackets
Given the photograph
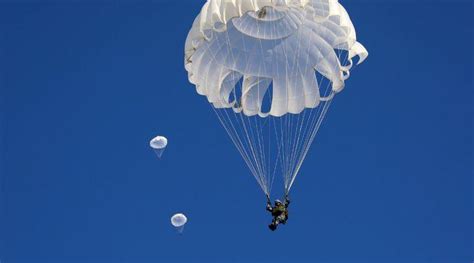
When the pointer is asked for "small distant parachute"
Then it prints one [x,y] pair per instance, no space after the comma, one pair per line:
[178,221]
[158,144]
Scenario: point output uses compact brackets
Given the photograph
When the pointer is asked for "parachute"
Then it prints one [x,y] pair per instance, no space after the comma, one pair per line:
[158,144]
[178,221]
[270,70]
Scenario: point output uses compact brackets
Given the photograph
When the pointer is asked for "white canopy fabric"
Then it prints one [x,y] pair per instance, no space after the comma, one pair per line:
[158,144]
[179,220]
[263,43]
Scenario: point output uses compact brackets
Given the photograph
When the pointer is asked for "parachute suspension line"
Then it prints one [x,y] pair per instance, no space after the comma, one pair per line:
[284,123]
[278,152]
[233,134]
[257,166]
[250,137]
[289,136]
[292,135]
[301,135]
[271,129]
[322,113]
[281,138]
[309,142]
[296,143]
[251,145]
[258,170]
[260,126]
[255,128]
[251,142]
[305,137]
[261,138]
[227,123]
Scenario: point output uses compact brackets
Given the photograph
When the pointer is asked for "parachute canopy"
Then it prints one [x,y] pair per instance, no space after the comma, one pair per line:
[270,69]
[158,144]
[178,221]
[282,43]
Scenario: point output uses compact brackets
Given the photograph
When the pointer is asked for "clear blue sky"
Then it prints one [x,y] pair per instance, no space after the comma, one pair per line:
[86,84]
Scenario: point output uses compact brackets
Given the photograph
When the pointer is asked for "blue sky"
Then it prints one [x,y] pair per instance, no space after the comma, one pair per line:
[86,84]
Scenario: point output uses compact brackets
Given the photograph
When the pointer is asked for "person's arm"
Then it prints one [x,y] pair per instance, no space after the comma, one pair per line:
[287,201]
[269,204]
[269,207]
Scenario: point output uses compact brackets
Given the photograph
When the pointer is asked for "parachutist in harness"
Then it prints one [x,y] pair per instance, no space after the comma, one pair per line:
[262,13]
[279,212]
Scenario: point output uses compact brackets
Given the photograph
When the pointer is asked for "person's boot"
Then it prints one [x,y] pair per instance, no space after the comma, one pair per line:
[272,227]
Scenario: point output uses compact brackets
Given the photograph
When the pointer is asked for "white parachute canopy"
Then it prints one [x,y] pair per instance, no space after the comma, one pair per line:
[178,221]
[270,69]
[158,144]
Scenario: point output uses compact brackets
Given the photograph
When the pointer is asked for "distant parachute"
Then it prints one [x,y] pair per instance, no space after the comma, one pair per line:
[270,70]
[158,144]
[178,221]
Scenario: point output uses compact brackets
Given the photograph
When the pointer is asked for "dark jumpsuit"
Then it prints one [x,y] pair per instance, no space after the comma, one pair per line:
[279,212]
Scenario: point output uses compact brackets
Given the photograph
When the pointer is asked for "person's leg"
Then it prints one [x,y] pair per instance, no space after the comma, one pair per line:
[274,224]
[281,219]
[272,227]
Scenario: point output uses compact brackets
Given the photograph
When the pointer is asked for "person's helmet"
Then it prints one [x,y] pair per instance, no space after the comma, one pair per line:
[278,202]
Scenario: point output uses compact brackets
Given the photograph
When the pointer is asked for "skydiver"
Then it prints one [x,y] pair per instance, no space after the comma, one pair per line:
[279,212]
[262,13]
